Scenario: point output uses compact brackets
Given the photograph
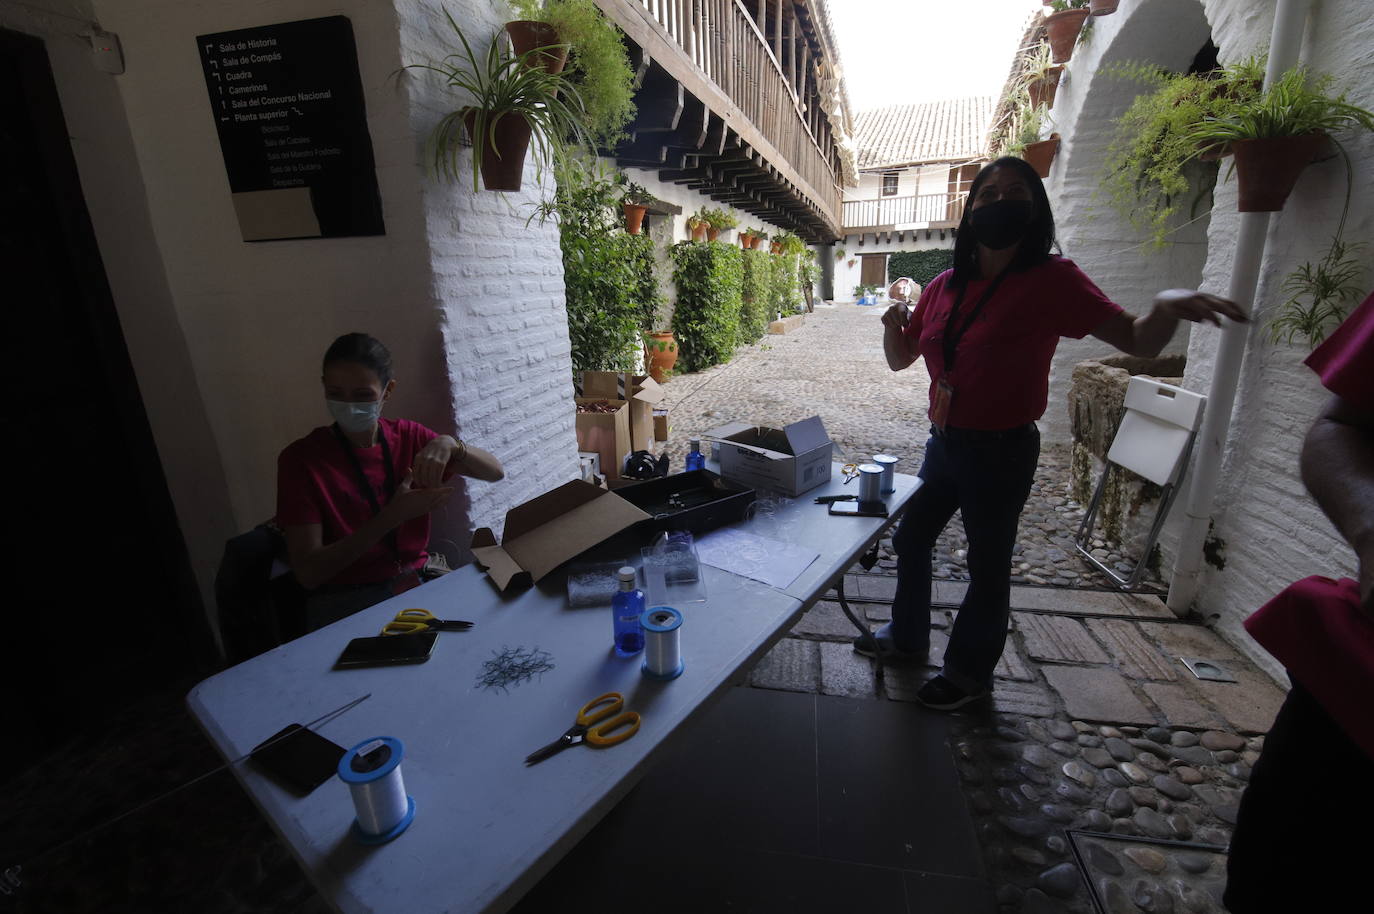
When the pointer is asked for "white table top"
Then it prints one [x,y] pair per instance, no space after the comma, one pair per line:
[486,827]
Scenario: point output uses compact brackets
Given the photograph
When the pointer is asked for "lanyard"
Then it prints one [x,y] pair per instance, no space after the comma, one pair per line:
[950,341]
[366,487]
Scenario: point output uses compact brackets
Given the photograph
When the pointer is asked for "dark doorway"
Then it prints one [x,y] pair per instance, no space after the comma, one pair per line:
[102,607]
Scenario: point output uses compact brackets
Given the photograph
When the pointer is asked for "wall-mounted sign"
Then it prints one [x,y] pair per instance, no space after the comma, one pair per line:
[288,104]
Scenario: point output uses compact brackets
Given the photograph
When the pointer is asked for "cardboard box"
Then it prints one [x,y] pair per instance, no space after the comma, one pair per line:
[607,434]
[645,394]
[790,460]
[545,532]
[660,424]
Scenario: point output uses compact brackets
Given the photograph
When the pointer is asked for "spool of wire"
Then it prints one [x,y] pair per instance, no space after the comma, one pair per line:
[870,483]
[372,771]
[888,463]
[662,643]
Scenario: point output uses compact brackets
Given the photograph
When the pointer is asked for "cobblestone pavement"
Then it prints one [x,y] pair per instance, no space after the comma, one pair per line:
[1095,726]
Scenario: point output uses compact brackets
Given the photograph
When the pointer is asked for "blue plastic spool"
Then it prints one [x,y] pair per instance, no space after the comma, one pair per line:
[351,778]
[662,627]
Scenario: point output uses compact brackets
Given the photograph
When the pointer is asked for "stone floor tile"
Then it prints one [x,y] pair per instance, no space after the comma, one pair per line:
[1135,655]
[792,665]
[1249,703]
[826,621]
[901,682]
[1026,698]
[876,612]
[948,593]
[1012,665]
[1097,694]
[875,586]
[1181,639]
[1063,600]
[1058,639]
[846,673]
[1180,706]
[1145,606]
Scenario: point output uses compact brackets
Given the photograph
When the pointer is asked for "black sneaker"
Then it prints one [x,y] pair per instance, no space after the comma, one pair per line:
[869,645]
[942,695]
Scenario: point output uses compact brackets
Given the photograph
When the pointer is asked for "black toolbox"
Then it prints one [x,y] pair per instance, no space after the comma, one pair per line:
[695,501]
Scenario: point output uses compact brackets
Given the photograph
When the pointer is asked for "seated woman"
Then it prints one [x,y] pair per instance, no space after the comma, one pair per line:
[354,497]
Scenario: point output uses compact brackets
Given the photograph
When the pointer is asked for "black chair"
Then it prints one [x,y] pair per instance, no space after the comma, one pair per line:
[256,611]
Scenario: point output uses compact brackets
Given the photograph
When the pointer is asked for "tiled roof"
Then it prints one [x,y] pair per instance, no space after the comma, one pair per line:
[930,132]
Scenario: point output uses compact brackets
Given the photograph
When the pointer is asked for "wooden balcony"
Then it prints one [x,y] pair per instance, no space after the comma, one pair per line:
[888,214]
[729,106]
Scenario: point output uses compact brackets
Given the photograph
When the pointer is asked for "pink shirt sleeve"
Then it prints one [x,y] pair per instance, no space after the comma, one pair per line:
[1345,361]
[1082,306]
[294,485]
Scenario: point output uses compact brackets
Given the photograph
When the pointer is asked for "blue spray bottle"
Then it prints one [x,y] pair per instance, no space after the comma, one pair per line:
[626,607]
[696,460]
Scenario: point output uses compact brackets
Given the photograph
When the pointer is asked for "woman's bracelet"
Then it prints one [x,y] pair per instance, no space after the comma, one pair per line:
[462,449]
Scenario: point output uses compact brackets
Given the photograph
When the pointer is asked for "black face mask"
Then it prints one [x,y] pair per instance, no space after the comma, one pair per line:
[1001,224]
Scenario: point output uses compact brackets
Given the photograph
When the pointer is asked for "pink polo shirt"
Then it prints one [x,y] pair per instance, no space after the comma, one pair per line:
[1001,377]
[317,484]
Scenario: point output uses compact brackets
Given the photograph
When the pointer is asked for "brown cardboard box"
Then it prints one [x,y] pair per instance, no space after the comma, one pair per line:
[608,434]
[546,531]
[660,424]
[645,394]
[791,460]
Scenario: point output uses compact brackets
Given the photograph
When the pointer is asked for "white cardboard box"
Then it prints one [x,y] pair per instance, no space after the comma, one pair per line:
[790,460]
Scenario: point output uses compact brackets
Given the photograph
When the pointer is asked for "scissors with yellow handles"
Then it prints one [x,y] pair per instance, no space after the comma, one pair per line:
[410,621]
[849,471]
[602,722]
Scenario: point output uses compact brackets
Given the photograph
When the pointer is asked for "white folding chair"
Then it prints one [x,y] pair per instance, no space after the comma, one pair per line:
[1155,440]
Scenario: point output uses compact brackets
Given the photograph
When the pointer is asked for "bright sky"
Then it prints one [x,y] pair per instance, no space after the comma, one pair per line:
[905,51]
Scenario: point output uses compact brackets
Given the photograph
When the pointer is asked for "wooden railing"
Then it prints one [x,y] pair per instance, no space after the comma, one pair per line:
[721,39]
[889,212]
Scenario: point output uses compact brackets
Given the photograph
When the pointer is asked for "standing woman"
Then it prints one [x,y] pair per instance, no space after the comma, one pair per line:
[987,330]
[354,497]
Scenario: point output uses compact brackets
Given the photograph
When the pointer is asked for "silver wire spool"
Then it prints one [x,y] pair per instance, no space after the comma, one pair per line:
[662,643]
[888,463]
[870,483]
[372,771]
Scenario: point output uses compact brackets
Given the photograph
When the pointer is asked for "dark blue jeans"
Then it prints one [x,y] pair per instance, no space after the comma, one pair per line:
[987,478]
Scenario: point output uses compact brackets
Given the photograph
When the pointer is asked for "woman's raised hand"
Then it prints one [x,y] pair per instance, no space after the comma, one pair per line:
[1191,305]
[432,462]
[411,502]
[896,317]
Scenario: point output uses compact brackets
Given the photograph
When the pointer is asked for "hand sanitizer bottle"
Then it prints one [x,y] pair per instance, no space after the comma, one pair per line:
[696,460]
[626,608]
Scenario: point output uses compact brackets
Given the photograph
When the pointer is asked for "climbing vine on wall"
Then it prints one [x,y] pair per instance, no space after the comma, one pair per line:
[709,280]
[922,266]
[757,284]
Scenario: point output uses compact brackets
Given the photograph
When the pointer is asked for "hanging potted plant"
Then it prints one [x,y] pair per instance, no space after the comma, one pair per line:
[1103,7]
[528,35]
[512,98]
[660,354]
[635,202]
[839,253]
[1040,75]
[717,221]
[1025,139]
[697,225]
[1275,136]
[1063,25]
[598,65]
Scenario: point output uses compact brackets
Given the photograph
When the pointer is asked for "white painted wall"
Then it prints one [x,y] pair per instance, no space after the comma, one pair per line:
[847,276]
[1272,531]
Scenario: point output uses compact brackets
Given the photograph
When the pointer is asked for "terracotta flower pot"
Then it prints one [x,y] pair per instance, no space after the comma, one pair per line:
[634,217]
[1040,155]
[1103,7]
[775,248]
[503,154]
[1063,28]
[661,355]
[712,234]
[1269,168]
[1042,90]
[699,233]
[527,34]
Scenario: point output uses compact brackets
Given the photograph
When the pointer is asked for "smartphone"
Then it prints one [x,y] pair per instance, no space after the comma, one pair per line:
[298,759]
[859,508]
[384,650]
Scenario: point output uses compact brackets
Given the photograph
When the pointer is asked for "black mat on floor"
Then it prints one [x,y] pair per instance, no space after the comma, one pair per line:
[782,801]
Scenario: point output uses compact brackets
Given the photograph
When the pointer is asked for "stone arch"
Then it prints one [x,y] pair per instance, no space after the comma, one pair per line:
[1168,33]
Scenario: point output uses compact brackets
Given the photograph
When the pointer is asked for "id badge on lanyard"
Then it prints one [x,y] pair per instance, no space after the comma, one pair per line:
[939,405]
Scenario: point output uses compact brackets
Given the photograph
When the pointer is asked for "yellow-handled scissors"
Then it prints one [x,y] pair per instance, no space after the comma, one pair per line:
[602,722]
[410,621]
[849,471]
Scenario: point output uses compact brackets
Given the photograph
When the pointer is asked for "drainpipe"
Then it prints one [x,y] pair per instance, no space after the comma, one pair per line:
[1285,41]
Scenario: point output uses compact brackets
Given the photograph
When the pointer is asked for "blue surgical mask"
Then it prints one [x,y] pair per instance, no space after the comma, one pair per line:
[355,417]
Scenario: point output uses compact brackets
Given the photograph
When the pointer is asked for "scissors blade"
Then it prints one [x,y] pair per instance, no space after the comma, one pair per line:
[455,625]
[571,738]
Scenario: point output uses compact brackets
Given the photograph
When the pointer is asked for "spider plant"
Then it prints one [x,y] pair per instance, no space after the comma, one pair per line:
[1294,105]
[502,85]
[1320,294]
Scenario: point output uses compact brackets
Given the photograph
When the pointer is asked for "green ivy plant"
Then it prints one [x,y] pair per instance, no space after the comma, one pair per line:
[756,292]
[919,266]
[1155,162]
[598,64]
[709,280]
[498,85]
